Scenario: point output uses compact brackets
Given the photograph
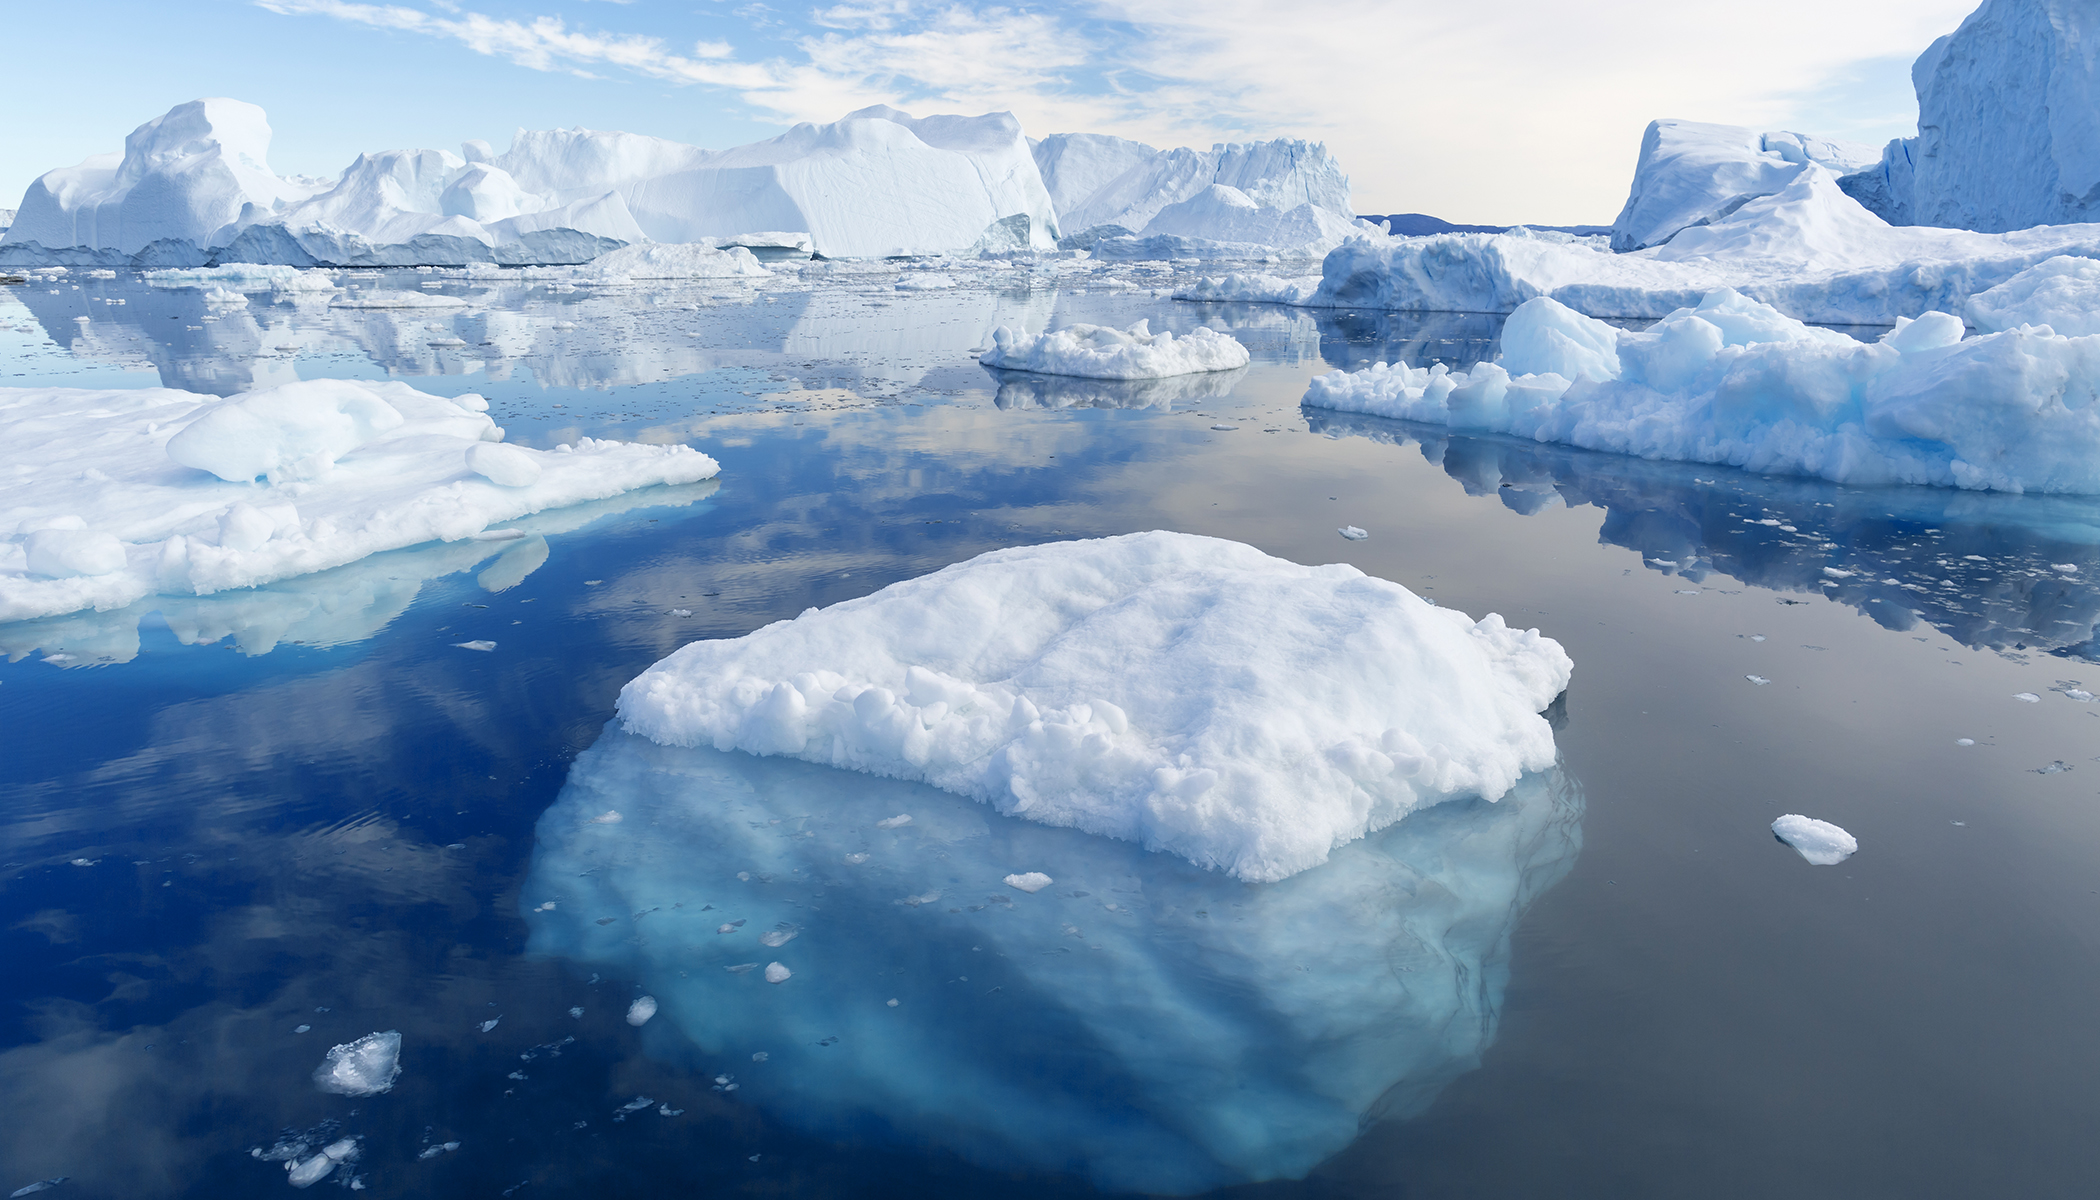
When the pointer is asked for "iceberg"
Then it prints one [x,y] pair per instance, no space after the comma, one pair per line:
[1109,183]
[1192,695]
[1690,174]
[1735,382]
[1137,1021]
[107,497]
[1099,352]
[1820,842]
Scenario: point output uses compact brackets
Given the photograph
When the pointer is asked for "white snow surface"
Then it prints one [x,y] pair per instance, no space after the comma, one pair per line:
[1691,173]
[365,1067]
[1735,382]
[107,497]
[1101,352]
[1193,695]
[2062,293]
[1819,842]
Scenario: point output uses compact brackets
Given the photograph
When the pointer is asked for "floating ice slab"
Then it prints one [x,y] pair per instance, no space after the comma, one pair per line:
[1141,1022]
[1735,382]
[1099,352]
[365,1067]
[107,497]
[1193,695]
[1819,842]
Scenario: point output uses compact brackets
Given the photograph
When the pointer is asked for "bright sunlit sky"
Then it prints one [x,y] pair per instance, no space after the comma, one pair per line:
[1522,110]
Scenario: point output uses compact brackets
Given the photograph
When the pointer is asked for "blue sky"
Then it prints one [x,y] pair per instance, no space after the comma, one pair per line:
[1524,110]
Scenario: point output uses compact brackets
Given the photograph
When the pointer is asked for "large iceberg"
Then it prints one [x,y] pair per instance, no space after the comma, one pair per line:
[107,497]
[1690,173]
[1192,695]
[1134,1020]
[1736,382]
[2008,124]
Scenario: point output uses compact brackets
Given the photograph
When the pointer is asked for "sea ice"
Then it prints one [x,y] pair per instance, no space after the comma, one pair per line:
[1819,842]
[1028,881]
[1099,352]
[1206,1031]
[365,1067]
[641,1010]
[117,495]
[1190,694]
[1734,381]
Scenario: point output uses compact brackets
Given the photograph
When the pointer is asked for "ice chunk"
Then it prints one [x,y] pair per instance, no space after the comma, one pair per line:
[641,1010]
[1189,693]
[1354,533]
[776,973]
[1819,842]
[610,816]
[312,1171]
[897,822]
[2027,697]
[365,1067]
[488,1025]
[1099,352]
[777,937]
[41,1185]
[1029,881]
[481,645]
[1248,1032]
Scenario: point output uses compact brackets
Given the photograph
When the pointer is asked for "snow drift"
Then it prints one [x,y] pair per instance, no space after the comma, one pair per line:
[1188,694]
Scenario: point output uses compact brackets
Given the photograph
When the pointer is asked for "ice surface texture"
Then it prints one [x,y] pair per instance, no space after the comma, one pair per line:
[1735,382]
[1189,694]
[107,497]
[1147,1024]
[1099,352]
[1819,842]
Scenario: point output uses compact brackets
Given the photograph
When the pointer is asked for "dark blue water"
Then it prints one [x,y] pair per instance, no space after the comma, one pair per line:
[223,820]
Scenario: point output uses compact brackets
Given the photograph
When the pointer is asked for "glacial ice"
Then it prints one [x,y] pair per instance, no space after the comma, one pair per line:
[1200,1033]
[1819,842]
[365,1067]
[1736,382]
[1102,181]
[2062,293]
[1690,173]
[112,496]
[1185,693]
[1099,352]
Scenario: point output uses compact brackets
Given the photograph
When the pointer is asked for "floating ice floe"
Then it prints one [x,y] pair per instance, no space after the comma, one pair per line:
[117,495]
[1099,352]
[305,1174]
[1735,382]
[1190,694]
[641,1010]
[365,1067]
[1028,881]
[1246,1032]
[1819,842]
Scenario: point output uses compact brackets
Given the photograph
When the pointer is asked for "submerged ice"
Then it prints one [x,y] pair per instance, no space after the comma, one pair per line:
[1125,1015]
[1192,695]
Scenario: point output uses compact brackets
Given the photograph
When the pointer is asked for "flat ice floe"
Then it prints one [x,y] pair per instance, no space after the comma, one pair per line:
[1189,694]
[1819,842]
[1732,381]
[1202,1031]
[107,497]
[1099,352]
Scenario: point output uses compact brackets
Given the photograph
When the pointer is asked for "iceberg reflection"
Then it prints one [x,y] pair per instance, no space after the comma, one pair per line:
[1139,1021]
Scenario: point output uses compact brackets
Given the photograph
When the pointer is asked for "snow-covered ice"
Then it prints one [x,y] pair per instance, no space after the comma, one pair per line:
[1100,352]
[1244,1032]
[1735,382]
[1190,694]
[107,497]
[1819,842]
[365,1067]
[1690,173]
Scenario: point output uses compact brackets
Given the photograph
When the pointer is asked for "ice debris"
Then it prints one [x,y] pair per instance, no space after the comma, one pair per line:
[1354,533]
[776,973]
[365,1067]
[641,1010]
[478,644]
[1029,881]
[1100,352]
[1819,842]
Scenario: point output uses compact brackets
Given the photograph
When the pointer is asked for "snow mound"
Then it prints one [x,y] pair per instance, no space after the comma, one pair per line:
[365,1067]
[1819,842]
[1690,173]
[1247,1032]
[1193,695]
[1099,352]
[1736,382]
[350,469]
[2062,293]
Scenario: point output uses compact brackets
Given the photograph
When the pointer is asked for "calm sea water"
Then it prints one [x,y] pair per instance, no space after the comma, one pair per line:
[240,830]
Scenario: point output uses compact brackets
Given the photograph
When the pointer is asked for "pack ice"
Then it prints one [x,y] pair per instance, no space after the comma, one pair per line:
[1141,1022]
[107,497]
[1732,381]
[1100,352]
[1192,695]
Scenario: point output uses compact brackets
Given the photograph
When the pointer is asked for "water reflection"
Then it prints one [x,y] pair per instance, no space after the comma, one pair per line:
[1992,571]
[1141,1022]
[1020,389]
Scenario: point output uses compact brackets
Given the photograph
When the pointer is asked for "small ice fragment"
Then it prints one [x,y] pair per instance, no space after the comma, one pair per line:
[1759,680]
[681,612]
[641,1010]
[489,1024]
[1353,533]
[1834,573]
[546,906]
[1757,637]
[1683,592]
[610,816]
[854,860]
[1662,562]
[2078,694]
[517,1075]
[721,1080]
[1819,842]
[1964,741]
[2066,567]
[668,1111]
[897,822]
[365,1067]
[727,926]
[479,644]
[774,938]
[2056,768]
[893,1004]
[85,862]
[922,898]
[637,1104]
[1224,428]
[2027,697]
[1029,881]
[740,968]
[760,1056]
[775,973]
[1975,558]
[301,1028]
[576,1011]
[311,1172]
[41,1185]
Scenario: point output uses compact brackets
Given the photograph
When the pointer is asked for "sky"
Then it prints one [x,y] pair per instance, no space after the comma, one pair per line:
[1498,112]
